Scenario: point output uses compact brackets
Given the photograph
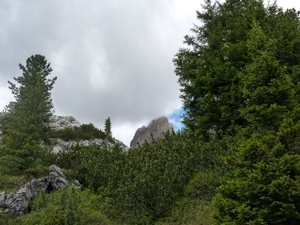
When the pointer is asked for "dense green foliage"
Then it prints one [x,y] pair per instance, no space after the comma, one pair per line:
[209,71]
[107,127]
[85,132]
[241,78]
[266,160]
[195,206]
[65,207]
[138,186]
[143,183]
[236,163]
[27,118]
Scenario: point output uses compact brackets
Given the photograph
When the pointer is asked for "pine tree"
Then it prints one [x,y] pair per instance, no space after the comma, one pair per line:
[107,127]
[264,187]
[240,76]
[30,114]
[208,70]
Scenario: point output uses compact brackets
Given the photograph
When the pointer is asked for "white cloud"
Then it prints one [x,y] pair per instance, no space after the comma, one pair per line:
[126,131]
[5,97]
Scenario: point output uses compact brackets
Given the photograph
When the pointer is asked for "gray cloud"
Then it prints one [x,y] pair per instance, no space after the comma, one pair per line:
[112,58]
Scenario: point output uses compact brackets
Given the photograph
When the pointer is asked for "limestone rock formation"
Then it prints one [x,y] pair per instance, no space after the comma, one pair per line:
[18,203]
[156,127]
[61,145]
[63,122]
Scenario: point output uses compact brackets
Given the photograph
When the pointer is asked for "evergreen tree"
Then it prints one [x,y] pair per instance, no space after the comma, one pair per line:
[30,114]
[264,187]
[208,70]
[107,127]
[240,76]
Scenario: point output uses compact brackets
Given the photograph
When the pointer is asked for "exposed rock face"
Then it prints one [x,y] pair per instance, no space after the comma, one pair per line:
[60,122]
[156,127]
[65,145]
[63,122]
[18,203]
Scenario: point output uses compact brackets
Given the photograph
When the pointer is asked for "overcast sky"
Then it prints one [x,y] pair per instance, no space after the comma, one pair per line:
[113,58]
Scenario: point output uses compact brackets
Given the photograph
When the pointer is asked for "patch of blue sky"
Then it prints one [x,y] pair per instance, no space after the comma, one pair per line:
[175,118]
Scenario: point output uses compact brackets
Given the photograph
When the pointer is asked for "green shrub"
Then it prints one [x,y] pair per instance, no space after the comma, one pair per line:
[142,184]
[203,185]
[195,207]
[85,132]
[65,206]
[191,212]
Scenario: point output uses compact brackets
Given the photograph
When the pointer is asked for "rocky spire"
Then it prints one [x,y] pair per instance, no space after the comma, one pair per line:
[156,127]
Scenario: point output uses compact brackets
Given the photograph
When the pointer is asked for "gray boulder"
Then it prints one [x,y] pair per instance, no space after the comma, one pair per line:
[61,145]
[156,128]
[18,203]
[63,122]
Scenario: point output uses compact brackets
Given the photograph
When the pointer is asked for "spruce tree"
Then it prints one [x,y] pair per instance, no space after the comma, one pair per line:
[240,76]
[107,127]
[208,69]
[264,186]
[30,114]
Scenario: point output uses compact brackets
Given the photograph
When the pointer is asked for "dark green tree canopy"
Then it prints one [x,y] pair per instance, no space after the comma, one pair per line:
[28,116]
[240,75]
[34,81]
[107,127]
[209,69]
[265,160]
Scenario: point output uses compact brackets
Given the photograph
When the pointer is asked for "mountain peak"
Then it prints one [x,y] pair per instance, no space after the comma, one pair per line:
[156,127]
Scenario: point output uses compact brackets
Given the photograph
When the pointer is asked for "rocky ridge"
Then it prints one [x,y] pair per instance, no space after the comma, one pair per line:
[156,128]
[18,203]
[62,122]
[61,145]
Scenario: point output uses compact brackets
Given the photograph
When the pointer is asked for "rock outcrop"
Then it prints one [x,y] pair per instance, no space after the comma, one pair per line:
[63,122]
[18,203]
[156,128]
[60,122]
[61,145]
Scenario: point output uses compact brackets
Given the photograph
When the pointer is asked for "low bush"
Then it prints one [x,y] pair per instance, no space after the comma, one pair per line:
[85,132]
[66,206]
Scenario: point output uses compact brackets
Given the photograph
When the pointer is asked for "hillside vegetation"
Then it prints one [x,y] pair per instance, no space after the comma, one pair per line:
[237,162]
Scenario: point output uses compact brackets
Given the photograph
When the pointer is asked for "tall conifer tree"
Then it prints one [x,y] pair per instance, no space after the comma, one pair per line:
[240,75]
[265,161]
[107,127]
[208,70]
[30,114]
